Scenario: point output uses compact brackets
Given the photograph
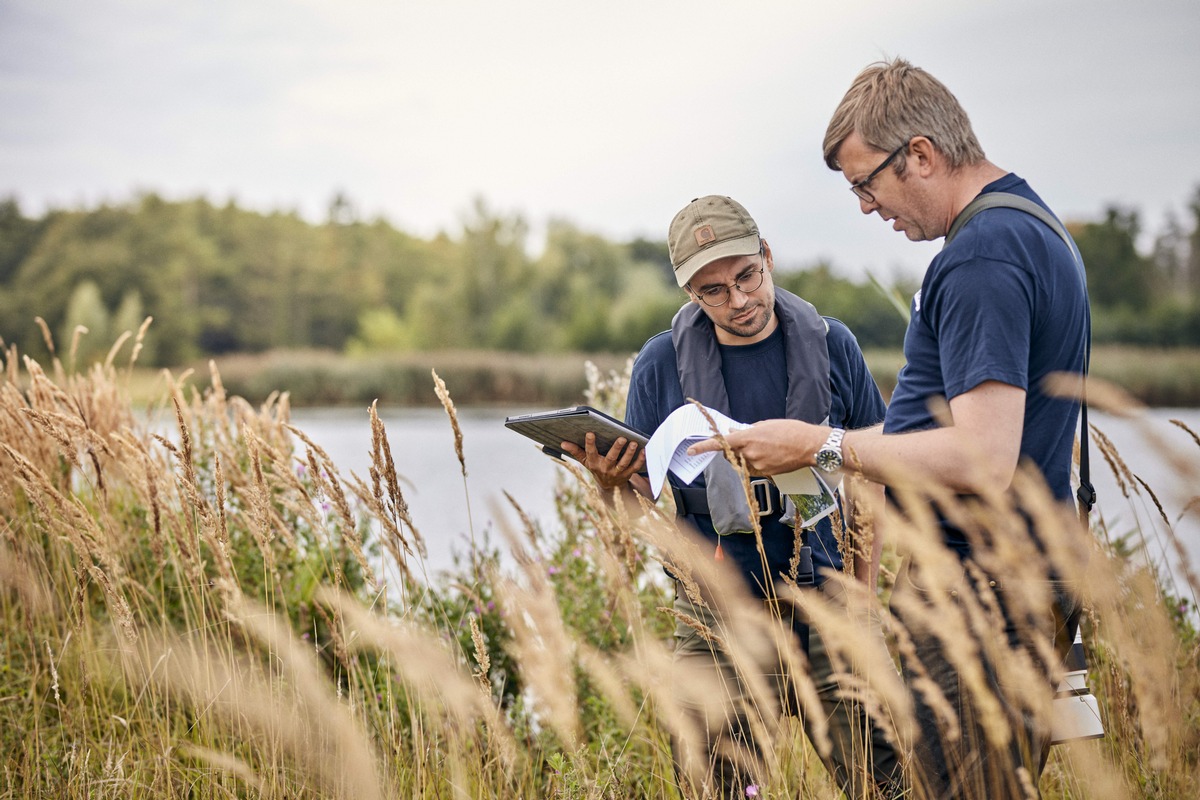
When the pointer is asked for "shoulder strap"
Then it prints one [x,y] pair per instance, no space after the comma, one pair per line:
[1086,492]
[1009,200]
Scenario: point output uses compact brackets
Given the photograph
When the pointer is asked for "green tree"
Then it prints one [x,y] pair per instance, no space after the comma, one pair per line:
[586,282]
[656,253]
[86,314]
[129,316]
[644,307]
[1118,276]
[1170,256]
[492,269]
[17,235]
[226,279]
[379,330]
[863,307]
[1192,259]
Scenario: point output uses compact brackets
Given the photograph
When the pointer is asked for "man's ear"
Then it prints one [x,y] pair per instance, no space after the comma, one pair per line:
[928,157]
[768,261]
[692,297]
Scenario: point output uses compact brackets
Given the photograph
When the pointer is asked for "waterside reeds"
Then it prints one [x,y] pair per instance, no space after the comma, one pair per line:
[220,612]
[1168,378]
[477,377]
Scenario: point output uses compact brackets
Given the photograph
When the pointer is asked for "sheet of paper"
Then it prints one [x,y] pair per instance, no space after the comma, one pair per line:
[686,425]
[802,481]
[667,448]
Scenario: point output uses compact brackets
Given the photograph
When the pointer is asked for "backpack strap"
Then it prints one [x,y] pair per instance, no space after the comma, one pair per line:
[1086,493]
[1009,200]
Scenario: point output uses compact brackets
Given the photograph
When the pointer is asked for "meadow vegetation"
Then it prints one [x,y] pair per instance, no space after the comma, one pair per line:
[197,602]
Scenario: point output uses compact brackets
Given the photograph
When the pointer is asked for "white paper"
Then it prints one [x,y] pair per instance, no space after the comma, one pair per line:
[686,425]
[667,448]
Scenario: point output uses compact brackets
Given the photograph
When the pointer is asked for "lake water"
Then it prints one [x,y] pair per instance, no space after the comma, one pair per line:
[446,507]
[1168,460]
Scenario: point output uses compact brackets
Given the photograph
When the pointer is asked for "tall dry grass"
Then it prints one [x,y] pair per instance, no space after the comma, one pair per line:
[198,603]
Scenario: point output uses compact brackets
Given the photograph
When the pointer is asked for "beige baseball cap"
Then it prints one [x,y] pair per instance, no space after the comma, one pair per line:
[707,229]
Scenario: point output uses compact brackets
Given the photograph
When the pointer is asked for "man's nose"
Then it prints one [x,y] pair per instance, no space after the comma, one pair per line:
[737,297]
[867,206]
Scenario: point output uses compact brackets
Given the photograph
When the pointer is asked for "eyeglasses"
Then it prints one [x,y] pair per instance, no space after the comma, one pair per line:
[861,189]
[746,283]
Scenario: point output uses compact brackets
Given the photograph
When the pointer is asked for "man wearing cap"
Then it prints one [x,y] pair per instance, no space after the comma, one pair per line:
[752,352]
[1003,306]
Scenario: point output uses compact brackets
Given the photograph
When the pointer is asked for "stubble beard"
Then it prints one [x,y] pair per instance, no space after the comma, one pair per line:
[756,325]
[918,218]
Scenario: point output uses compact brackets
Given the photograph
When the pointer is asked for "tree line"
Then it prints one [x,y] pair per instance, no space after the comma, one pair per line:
[222,279]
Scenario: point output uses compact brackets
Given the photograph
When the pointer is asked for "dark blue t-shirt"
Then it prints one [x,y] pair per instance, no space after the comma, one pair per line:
[755,378]
[1005,301]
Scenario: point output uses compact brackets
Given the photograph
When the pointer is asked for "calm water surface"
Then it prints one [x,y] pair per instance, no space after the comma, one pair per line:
[446,507]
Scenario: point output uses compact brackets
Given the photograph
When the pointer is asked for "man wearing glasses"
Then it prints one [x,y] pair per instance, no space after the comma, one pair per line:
[1002,307]
[753,352]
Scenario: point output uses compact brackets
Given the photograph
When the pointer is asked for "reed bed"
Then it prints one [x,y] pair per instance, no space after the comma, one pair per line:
[200,604]
[1155,376]
[478,377]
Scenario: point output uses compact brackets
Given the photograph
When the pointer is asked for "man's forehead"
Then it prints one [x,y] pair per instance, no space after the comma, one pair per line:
[855,154]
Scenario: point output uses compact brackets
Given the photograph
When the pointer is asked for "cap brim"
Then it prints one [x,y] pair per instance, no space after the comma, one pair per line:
[744,246]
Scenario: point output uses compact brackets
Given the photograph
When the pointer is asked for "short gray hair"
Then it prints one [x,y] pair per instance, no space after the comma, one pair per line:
[889,103]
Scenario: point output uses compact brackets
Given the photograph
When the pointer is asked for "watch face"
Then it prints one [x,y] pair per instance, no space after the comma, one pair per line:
[829,460]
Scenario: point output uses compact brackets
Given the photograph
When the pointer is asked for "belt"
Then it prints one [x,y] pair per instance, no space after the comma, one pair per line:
[694,500]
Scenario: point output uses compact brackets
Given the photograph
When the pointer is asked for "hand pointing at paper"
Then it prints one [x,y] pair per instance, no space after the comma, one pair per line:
[773,446]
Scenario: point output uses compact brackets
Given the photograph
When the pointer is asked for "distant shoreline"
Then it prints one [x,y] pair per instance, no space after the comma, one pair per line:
[1155,377]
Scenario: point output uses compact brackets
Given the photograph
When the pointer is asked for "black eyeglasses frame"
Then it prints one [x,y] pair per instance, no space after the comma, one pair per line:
[860,188]
[761,272]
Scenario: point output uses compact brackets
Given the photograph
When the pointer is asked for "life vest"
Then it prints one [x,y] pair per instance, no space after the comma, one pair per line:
[698,357]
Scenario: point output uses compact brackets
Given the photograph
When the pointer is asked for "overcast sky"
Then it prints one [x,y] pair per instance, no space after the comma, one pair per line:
[611,115]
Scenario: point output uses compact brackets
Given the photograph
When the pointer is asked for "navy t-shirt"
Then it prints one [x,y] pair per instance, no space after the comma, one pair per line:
[1005,301]
[755,378]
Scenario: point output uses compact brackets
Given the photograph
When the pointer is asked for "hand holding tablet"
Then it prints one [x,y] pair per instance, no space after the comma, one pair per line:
[551,428]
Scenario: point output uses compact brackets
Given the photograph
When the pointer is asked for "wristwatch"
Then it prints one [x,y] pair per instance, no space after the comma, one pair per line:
[829,457]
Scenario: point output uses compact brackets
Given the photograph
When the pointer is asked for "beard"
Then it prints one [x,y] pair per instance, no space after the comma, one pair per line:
[753,325]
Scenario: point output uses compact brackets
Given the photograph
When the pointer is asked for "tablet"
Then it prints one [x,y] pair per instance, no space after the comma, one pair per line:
[552,428]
